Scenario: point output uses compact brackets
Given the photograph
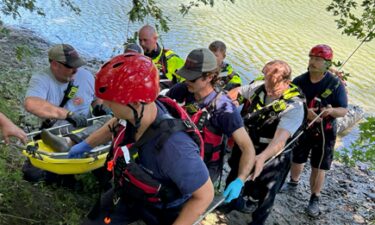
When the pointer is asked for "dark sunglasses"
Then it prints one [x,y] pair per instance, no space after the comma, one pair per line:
[193,81]
[66,65]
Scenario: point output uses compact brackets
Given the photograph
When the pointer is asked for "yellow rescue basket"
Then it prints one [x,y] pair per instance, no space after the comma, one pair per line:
[42,156]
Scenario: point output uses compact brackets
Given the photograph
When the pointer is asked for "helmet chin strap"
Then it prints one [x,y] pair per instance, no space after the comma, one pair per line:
[137,118]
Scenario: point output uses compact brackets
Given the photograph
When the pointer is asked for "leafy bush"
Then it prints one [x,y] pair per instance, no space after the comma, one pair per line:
[362,149]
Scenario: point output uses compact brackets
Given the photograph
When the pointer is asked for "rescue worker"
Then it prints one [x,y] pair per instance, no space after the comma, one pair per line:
[167,61]
[175,185]
[215,116]
[228,79]
[324,93]
[273,113]
[63,92]
[60,94]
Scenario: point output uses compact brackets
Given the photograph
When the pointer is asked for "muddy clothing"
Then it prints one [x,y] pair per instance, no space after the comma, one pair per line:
[261,122]
[331,91]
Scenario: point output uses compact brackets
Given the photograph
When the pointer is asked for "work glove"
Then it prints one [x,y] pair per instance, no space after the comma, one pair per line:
[101,110]
[233,190]
[77,120]
[79,149]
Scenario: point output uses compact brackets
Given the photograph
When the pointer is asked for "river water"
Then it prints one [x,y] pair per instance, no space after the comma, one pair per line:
[254,31]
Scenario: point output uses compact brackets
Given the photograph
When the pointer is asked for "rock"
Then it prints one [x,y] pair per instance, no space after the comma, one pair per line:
[355,113]
[363,166]
[359,219]
[370,195]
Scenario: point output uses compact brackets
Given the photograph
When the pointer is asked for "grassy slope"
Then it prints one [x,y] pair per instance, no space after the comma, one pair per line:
[22,202]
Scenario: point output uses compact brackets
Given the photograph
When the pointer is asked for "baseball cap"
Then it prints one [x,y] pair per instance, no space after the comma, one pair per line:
[133,47]
[198,61]
[66,54]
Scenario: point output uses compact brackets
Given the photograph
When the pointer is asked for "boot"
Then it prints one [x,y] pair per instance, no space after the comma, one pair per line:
[313,207]
[289,187]
[250,205]
[57,143]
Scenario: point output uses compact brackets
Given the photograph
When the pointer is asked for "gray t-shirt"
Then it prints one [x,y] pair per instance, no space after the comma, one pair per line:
[44,85]
[290,119]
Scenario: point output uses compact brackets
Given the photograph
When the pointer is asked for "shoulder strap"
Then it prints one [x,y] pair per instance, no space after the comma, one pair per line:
[255,98]
[167,128]
[69,93]
[164,128]
[169,54]
[189,127]
[333,84]
[277,106]
[205,112]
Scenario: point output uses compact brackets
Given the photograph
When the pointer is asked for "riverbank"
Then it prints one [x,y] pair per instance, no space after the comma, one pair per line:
[348,196]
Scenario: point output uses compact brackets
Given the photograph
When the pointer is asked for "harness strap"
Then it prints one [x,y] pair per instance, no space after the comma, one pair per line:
[69,93]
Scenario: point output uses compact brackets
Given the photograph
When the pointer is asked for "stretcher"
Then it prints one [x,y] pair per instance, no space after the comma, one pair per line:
[44,157]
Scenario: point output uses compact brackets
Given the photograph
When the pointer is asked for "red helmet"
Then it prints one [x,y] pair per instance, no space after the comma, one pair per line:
[128,78]
[323,51]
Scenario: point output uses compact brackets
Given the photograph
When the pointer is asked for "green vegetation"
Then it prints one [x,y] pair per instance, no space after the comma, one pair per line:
[362,149]
[355,18]
[20,200]
[13,7]
[24,203]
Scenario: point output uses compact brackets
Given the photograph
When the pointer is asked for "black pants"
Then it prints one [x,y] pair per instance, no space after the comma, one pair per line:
[34,174]
[312,144]
[266,186]
[126,212]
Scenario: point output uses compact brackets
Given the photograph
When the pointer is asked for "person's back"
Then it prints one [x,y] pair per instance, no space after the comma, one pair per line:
[159,176]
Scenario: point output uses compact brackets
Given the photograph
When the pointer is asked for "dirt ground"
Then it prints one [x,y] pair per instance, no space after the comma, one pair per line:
[348,197]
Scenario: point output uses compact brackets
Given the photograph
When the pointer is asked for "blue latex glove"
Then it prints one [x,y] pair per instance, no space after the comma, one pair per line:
[233,190]
[79,149]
